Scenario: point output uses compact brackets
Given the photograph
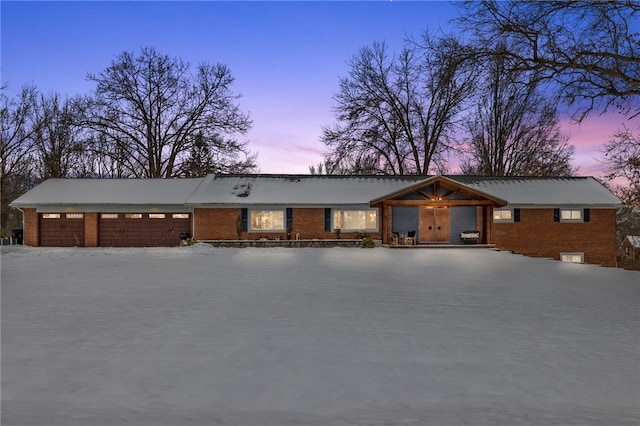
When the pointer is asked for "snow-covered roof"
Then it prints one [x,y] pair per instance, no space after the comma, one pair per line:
[566,191]
[304,190]
[634,240]
[109,192]
[295,190]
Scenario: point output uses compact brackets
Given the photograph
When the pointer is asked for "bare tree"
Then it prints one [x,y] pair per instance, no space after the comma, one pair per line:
[589,49]
[215,154]
[16,148]
[59,150]
[622,161]
[147,110]
[396,113]
[515,130]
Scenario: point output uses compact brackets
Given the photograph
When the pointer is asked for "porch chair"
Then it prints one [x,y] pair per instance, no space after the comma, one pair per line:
[410,239]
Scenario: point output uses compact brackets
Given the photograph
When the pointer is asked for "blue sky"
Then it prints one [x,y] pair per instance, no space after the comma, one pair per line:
[286,57]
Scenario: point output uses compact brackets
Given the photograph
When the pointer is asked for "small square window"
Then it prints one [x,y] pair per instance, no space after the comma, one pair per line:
[108,215]
[503,216]
[74,215]
[571,215]
[180,216]
[157,215]
[51,215]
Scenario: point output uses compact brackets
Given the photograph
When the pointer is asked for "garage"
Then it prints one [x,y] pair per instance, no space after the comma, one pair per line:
[142,229]
[62,229]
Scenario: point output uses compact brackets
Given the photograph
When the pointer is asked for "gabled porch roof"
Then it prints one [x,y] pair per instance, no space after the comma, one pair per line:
[476,196]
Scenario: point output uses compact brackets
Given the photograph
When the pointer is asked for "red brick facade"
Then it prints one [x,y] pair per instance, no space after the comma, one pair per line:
[91,229]
[31,228]
[537,234]
[222,224]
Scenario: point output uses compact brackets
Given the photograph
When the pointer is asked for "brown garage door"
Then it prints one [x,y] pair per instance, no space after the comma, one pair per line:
[62,229]
[142,229]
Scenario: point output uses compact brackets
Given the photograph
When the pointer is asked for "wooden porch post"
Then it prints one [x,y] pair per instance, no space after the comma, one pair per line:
[488,217]
[387,223]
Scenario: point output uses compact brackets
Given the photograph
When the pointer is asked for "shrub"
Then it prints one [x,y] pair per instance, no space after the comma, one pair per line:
[367,242]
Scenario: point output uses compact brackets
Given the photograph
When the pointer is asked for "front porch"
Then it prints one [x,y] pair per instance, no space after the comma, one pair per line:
[437,212]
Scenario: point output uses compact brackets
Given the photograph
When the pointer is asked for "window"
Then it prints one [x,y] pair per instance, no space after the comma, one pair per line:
[572,257]
[502,216]
[133,215]
[156,215]
[75,215]
[108,215]
[356,220]
[180,216]
[51,215]
[267,220]
[570,215]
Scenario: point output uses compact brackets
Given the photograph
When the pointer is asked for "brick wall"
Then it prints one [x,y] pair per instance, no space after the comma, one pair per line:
[91,229]
[220,224]
[31,228]
[538,235]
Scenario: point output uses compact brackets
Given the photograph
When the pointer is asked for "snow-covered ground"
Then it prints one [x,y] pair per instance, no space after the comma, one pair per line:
[206,336]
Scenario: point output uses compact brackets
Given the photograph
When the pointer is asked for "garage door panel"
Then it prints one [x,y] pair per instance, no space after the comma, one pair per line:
[61,230]
[141,230]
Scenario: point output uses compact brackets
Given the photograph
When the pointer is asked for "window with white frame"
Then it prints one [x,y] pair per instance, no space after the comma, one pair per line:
[133,215]
[505,215]
[571,215]
[51,215]
[356,220]
[108,215]
[74,215]
[572,257]
[156,215]
[267,220]
[180,216]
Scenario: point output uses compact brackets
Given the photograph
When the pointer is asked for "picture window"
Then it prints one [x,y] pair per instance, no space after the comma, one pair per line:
[267,220]
[356,220]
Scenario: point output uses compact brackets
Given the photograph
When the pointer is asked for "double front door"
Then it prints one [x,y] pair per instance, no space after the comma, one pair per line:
[434,225]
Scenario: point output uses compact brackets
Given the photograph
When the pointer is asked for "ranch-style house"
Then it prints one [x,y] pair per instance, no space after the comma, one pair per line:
[566,218]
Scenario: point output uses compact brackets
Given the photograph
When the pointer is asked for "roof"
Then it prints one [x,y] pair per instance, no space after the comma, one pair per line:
[309,190]
[295,190]
[109,192]
[535,191]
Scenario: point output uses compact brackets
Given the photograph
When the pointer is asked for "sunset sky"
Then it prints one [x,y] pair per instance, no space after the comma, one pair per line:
[286,57]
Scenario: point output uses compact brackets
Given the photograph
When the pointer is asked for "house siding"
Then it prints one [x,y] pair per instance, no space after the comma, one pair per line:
[538,235]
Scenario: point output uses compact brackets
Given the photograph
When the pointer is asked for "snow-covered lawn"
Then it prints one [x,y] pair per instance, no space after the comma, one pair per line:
[206,336]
